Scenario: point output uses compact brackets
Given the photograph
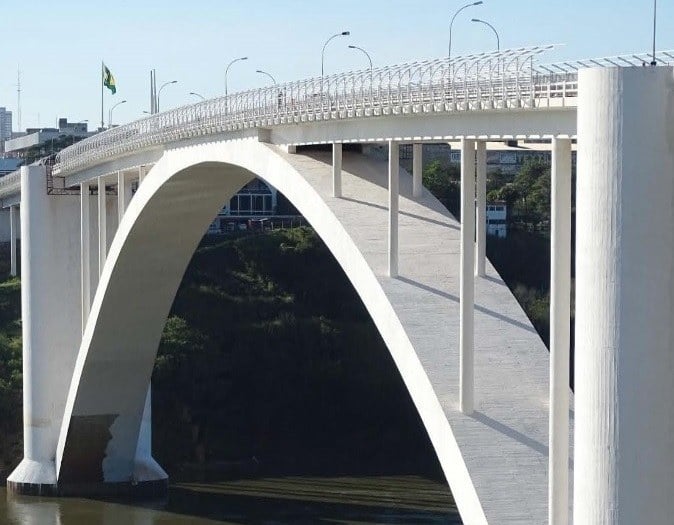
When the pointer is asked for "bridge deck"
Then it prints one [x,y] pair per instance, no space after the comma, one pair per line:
[505,442]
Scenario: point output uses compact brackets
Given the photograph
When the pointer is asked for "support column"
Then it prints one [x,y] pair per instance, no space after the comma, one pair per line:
[102,226]
[417,170]
[121,196]
[146,468]
[336,169]
[624,358]
[481,209]
[51,315]
[467,278]
[85,251]
[393,205]
[141,175]
[13,233]
[560,316]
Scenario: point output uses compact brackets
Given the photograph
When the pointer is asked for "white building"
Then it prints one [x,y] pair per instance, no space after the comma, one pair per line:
[497,213]
[255,199]
[5,127]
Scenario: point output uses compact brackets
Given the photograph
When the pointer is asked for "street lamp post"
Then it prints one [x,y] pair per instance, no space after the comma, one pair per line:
[498,40]
[197,95]
[343,33]
[366,54]
[449,53]
[267,74]
[110,112]
[227,69]
[162,87]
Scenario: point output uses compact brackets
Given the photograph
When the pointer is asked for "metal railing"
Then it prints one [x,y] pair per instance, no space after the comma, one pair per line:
[499,80]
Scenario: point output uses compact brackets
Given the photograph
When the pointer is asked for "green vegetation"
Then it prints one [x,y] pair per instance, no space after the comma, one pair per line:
[269,353]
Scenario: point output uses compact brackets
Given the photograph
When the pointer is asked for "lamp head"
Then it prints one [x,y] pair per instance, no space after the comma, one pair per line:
[475,20]
[478,3]
[243,58]
[346,33]
[352,47]
[173,82]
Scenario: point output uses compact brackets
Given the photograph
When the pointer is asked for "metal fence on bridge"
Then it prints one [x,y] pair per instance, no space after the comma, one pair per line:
[487,81]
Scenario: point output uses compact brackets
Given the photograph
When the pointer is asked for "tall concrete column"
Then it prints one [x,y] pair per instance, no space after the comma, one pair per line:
[481,209]
[560,315]
[467,278]
[417,170]
[122,201]
[102,225]
[85,251]
[337,169]
[50,313]
[13,233]
[393,205]
[624,344]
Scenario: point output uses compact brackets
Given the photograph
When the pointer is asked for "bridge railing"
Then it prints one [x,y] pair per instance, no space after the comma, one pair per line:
[502,80]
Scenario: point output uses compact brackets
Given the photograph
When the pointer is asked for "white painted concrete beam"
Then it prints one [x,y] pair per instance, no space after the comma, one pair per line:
[624,363]
[560,317]
[481,209]
[336,169]
[467,279]
[393,206]
[417,169]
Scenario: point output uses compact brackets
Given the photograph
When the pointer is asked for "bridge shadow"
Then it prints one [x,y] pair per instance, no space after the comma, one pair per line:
[479,308]
[407,214]
[510,432]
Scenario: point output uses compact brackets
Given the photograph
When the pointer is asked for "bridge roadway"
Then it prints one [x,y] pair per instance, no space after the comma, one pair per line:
[503,445]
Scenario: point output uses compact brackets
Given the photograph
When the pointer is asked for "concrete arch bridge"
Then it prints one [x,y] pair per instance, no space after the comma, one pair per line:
[101,264]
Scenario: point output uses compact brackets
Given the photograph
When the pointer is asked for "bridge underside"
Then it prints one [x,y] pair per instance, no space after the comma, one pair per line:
[495,460]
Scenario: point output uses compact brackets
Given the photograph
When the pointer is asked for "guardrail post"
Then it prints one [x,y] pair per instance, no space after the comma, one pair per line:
[467,279]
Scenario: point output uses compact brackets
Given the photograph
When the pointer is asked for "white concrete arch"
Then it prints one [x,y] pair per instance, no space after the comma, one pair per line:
[148,256]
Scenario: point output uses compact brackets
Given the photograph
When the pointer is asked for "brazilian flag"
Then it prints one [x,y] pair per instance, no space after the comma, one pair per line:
[109,80]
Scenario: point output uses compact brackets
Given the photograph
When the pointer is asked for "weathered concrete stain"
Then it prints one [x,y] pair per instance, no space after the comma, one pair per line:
[83,456]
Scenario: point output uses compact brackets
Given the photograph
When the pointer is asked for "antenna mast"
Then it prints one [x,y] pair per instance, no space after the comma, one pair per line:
[18,99]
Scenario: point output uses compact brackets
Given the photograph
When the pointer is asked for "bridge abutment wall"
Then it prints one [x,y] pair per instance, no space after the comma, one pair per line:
[624,367]
[50,309]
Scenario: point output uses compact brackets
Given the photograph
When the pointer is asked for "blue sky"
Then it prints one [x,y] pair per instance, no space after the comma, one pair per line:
[59,45]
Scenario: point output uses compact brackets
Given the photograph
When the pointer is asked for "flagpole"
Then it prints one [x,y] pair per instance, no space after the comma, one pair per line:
[102,70]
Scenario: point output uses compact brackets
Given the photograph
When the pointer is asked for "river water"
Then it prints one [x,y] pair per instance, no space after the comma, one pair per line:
[273,500]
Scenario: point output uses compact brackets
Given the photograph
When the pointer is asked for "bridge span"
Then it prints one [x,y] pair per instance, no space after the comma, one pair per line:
[101,264]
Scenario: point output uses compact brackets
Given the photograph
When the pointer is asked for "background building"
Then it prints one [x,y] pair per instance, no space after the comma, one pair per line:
[5,127]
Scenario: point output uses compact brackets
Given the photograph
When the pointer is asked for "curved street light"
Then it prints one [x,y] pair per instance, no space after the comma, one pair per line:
[198,95]
[343,33]
[162,87]
[227,69]
[498,40]
[268,74]
[110,112]
[449,53]
[366,54]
